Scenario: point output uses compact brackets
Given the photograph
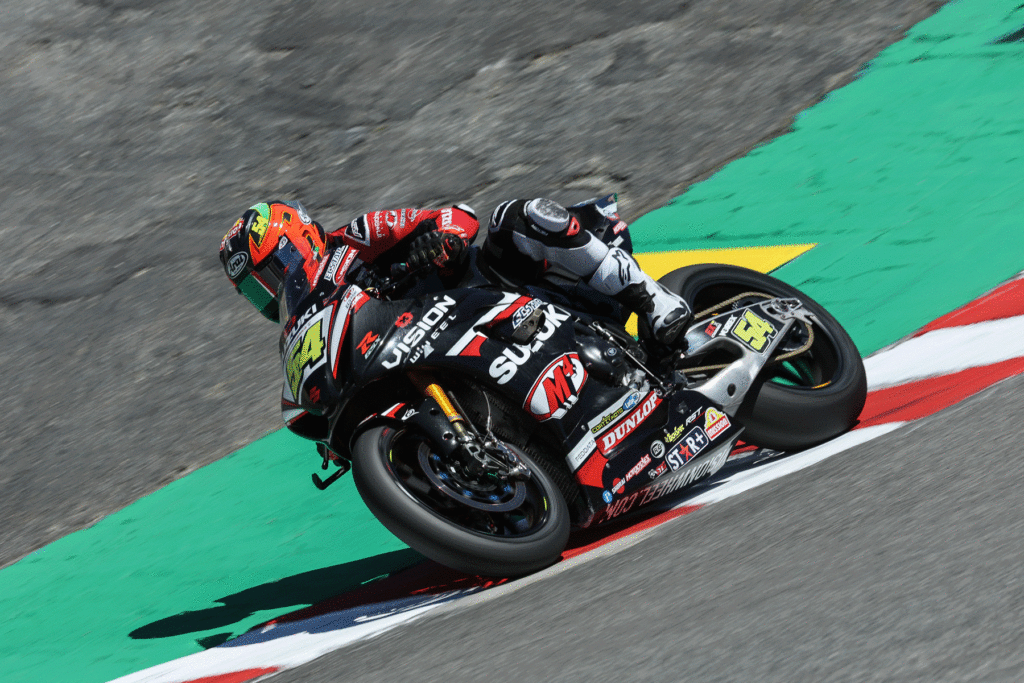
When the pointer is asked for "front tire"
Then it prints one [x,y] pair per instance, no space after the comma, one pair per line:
[821,392]
[392,467]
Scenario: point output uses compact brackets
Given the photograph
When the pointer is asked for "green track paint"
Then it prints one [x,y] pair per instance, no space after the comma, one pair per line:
[230,546]
[911,181]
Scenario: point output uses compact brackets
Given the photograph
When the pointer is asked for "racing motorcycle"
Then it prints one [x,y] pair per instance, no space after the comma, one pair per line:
[482,418]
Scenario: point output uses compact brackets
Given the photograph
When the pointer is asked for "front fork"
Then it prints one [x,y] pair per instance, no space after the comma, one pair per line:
[456,421]
[482,453]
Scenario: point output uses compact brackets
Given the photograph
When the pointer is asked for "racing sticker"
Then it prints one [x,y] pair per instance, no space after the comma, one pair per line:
[557,389]
[614,436]
[672,435]
[351,301]
[368,342]
[639,467]
[657,471]
[692,445]
[715,422]
[415,343]
[580,452]
[235,229]
[306,352]
[236,263]
[598,424]
[753,330]
[358,231]
[334,269]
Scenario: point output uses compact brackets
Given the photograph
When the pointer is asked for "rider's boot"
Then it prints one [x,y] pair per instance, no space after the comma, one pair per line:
[610,270]
[620,277]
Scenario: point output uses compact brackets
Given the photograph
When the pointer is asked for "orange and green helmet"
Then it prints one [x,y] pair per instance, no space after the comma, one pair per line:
[268,242]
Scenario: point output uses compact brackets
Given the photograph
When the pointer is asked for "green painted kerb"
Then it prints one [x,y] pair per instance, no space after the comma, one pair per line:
[230,546]
[911,179]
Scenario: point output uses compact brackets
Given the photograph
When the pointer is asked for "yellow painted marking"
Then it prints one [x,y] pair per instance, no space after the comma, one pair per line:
[762,259]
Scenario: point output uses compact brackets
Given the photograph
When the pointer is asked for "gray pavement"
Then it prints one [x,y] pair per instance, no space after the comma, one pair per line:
[898,562]
[132,132]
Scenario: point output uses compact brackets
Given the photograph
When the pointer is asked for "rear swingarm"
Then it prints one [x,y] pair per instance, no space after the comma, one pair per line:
[755,332]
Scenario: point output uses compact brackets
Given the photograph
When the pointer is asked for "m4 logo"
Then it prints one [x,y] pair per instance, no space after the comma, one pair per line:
[557,388]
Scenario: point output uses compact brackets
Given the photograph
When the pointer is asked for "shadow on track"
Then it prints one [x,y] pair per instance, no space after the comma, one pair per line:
[345,595]
[307,588]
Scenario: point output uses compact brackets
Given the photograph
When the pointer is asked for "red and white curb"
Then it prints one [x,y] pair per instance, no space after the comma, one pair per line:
[945,362]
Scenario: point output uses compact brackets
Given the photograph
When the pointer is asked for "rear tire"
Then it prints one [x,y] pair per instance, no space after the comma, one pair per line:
[400,495]
[779,416]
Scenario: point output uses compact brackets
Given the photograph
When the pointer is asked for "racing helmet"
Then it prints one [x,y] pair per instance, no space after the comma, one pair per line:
[268,242]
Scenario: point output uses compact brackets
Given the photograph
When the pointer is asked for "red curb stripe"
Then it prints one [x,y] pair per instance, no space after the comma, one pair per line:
[926,397]
[1006,301]
[235,676]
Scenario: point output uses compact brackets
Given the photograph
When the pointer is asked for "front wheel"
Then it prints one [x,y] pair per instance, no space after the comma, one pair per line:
[473,523]
[815,386]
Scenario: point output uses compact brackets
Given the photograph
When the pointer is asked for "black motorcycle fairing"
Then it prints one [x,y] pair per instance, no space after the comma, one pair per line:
[465,334]
[645,448]
[562,377]
[550,355]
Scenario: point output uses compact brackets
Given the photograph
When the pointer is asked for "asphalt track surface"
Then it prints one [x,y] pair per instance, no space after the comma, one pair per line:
[898,561]
[132,132]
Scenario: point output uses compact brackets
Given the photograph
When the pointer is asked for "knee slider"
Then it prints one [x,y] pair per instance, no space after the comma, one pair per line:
[547,215]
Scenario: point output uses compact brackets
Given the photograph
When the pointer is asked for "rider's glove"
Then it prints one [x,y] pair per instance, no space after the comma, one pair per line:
[434,247]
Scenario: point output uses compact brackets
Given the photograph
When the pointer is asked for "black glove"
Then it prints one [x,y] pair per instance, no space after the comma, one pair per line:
[434,247]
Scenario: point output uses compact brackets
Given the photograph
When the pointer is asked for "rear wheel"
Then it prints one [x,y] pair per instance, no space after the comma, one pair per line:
[815,386]
[479,524]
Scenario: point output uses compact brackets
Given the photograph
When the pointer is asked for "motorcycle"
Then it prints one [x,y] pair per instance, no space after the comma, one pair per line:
[483,418]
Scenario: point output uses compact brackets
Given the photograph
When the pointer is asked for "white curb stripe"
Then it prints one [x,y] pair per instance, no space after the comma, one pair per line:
[284,653]
[945,351]
[752,478]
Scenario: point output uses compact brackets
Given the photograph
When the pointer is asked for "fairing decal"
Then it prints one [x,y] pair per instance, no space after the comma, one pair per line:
[351,301]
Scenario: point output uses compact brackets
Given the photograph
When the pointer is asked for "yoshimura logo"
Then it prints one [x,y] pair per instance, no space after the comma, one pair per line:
[524,311]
